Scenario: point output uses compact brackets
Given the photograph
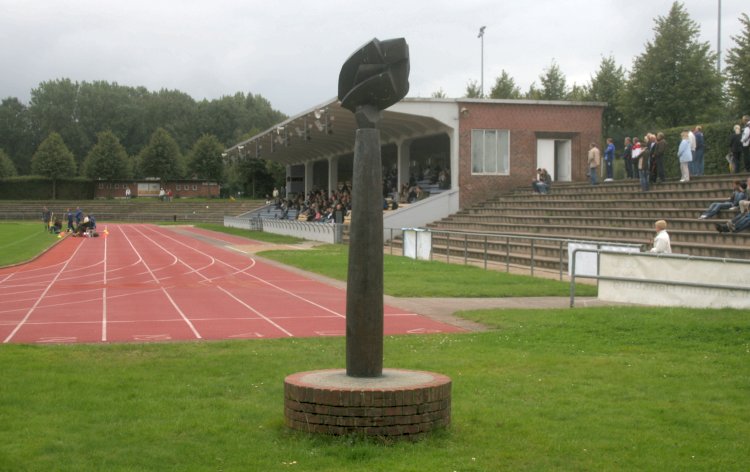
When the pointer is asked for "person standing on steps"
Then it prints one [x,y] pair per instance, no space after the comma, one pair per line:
[627,158]
[662,244]
[609,159]
[685,155]
[594,161]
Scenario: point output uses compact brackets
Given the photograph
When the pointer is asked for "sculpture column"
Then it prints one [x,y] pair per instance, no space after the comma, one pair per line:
[364,293]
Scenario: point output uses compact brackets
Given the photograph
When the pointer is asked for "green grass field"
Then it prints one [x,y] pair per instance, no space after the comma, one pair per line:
[587,389]
[21,241]
[403,277]
[573,389]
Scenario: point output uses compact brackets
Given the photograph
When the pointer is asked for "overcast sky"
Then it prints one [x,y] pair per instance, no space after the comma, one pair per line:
[291,51]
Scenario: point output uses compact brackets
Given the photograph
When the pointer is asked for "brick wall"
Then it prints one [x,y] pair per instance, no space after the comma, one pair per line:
[527,122]
[180,188]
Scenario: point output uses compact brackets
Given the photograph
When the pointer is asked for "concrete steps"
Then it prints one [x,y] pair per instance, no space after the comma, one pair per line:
[615,212]
[135,210]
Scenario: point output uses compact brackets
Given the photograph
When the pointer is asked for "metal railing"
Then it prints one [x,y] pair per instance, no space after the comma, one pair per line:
[662,281]
[462,239]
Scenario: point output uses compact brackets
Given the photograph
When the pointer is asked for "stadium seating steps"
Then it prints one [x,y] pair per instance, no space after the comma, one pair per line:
[140,210]
[609,212]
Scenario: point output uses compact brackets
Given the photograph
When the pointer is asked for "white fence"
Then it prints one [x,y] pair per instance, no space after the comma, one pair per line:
[322,232]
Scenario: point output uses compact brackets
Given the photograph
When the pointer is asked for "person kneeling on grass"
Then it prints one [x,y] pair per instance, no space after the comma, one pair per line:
[56,227]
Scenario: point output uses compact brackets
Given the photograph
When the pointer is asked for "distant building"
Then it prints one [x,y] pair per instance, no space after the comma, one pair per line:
[145,188]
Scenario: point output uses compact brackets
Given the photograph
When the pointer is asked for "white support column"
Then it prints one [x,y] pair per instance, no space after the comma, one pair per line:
[288,180]
[309,176]
[404,162]
[333,174]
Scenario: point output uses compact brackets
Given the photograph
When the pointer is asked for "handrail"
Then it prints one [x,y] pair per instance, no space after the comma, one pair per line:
[485,239]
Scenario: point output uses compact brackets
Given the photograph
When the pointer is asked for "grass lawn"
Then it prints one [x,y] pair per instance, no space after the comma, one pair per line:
[404,277]
[576,389]
[256,235]
[21,241]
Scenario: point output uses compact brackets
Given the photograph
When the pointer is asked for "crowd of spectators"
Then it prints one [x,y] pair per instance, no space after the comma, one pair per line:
[333,207]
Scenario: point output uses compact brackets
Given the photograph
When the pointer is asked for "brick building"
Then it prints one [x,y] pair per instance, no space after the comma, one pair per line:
[485,146]
[149,188]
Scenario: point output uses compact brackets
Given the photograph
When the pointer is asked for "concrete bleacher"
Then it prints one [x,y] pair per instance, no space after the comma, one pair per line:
[133,210]
[616,212]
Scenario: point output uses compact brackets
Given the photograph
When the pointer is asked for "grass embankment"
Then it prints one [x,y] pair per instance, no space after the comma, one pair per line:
[21,241]
[256,235]
[574,389]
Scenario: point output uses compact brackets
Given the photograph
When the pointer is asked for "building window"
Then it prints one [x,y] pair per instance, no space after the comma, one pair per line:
[117,185]
[195,187]
[490,151]
[177,187]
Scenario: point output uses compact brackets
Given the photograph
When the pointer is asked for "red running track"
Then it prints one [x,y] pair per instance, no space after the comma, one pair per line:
[141,283]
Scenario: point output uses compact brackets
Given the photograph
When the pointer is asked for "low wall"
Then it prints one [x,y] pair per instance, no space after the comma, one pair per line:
[674,280]
[433,208]
[322,232]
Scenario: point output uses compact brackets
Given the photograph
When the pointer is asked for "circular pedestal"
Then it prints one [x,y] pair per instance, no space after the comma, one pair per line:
[404,403]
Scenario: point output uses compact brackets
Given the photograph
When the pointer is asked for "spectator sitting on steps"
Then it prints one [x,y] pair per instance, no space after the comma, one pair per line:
[543,182]
[738,194]
[741,222]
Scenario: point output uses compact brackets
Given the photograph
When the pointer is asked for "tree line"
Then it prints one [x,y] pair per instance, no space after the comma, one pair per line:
[673,82]
[104,130]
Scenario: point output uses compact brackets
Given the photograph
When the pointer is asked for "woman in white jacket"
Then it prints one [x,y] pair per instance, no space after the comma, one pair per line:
[661,241]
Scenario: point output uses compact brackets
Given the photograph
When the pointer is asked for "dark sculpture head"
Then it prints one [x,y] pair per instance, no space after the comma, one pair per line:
[375,76]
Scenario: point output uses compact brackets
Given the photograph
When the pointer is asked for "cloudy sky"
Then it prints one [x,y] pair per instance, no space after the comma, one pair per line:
[291,51]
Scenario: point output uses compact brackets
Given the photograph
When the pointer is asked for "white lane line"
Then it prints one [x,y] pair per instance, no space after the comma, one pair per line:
[292,294]
[192,269]
[7,277]
[104,295]
[156,279]
[39,300]
[269,320]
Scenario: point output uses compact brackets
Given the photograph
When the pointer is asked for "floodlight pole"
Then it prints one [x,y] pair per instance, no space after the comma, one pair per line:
[481,37]
[718,43]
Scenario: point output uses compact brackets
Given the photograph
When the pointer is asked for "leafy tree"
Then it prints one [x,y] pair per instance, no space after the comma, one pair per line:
[473,90]
[738,68]
[205,161]
[533,93]
[505,87]
[579,93]
[7,169]
[53,159]
[54,108]
[15,133]
[674,82]
[553,83]
[161,157]
[607,86]
[439,93]
[108,159]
